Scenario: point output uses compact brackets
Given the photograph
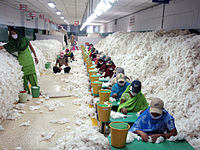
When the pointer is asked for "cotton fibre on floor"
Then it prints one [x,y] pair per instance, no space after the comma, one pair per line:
[168,65]
[11,75]
[78,84]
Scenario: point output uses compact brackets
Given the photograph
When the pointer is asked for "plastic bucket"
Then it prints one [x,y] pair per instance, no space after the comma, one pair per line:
[92,72]
[48,65]
[94,78]
[35,90]
[119,132]
[96,87]
[23,96]
[104,111]
[104,95]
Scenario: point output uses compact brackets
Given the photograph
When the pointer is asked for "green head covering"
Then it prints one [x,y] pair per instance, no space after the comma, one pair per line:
[16,45]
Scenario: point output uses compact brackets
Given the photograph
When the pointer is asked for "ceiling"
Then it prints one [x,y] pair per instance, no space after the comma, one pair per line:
[122,8]
[73,10]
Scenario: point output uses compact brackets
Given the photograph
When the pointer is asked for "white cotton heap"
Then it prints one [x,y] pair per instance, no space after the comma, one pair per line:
[112,99]
[179,136]
[46,136]
[46,51]
[51,106]
[131,137]
[83,137]
[168,65]
[10,84]
[159,140]
[116,115]
[34,107]
[14,115]
[19,106]
[85,112]
[60,121]
[25,124]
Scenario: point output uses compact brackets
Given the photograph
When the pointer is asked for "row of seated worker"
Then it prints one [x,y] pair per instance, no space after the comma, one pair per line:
[154,120]
[62,61]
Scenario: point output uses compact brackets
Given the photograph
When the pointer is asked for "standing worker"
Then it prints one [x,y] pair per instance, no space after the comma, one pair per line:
[21,45]
[65,39]
[72,39]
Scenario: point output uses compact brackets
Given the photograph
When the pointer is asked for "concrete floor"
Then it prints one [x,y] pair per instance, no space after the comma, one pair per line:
[30,137]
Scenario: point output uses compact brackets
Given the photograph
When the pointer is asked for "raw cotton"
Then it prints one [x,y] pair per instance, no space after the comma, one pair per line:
[46,136]
[51,106]
[116,115]
[25,124]
[168,65]
[60,121]
[10,84]
[34,107]
[83,137]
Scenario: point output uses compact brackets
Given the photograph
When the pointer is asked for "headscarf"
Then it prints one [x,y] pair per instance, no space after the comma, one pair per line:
[135,104]
[147,124]
[16,45]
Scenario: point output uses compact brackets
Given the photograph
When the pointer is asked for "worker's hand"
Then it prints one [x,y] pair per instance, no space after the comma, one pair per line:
[124,111]
[154,137]
[60,68]
[36,60]
[114,95]
[144,136]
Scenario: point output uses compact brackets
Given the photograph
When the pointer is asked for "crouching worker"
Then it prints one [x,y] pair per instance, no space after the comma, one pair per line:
[119,87]
[62,60]
[133,100]
[69,54]
[154,122]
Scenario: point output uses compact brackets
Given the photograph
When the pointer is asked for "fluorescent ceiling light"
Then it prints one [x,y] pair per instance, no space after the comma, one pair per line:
[51,4]
[62,17]
[58,12]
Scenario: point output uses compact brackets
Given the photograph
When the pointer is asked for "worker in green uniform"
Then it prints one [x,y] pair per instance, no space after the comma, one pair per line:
[19,46]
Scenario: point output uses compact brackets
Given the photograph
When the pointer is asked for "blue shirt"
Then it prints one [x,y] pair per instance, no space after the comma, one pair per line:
[149,125]
[119,89]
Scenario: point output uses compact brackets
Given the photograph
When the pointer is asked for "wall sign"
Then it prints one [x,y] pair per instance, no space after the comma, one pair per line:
[161,1]
[76,23]
[132,21]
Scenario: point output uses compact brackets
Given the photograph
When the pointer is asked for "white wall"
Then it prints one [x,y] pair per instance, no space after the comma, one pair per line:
[15,17]
[179,14]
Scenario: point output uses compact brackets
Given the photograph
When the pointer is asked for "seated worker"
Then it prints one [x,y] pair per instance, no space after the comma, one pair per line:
[104,66]
[119,87]
[110,67]
[69,54]
[154,122]
[132,100]
[100,63]
[62,60]
[116,72]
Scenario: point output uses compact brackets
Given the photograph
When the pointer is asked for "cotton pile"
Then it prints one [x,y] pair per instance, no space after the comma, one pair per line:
[11,75]
[83,137]
[168,65]
[10,84]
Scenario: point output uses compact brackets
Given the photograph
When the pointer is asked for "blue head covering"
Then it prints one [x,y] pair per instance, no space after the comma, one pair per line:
[136,86]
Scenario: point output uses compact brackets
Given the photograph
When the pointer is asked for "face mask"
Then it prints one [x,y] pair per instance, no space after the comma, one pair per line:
[100,63]
[61,57]
[121,84]
[14,36]
[133,93]
[158,117]
[110,68]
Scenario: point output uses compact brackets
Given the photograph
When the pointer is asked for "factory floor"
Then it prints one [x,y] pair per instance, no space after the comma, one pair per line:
[30,137]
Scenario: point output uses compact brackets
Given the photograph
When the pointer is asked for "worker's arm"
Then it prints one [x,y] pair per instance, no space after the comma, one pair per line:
[143,135]
[32,49]
[1,47]
[173,132]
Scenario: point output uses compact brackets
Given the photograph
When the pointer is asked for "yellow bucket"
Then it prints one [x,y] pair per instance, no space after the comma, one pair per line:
[104,95]
[119,132]
[92,72]
[96,87]
[104,111]
[94,78]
